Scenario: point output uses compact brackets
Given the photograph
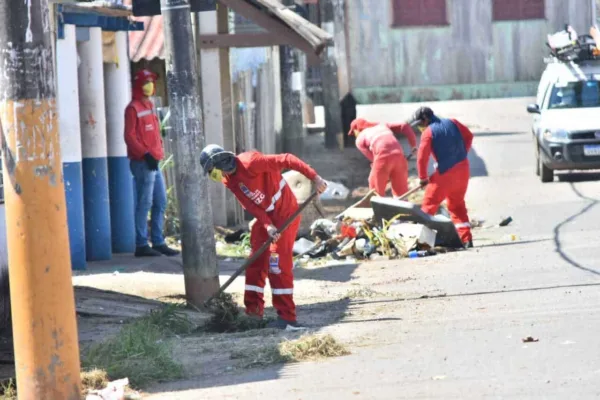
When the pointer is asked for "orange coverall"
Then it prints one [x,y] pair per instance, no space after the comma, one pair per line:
[261,189]
[377,141]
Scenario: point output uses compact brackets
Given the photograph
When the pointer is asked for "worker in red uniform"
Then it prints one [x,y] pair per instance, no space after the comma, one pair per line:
[145,150]
[450,142]
[377,141]
[257,182]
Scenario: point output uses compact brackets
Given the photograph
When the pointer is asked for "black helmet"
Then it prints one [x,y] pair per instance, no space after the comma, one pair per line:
[214,156]
[422,114]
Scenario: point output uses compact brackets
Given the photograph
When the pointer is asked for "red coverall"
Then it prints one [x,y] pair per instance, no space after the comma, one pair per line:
[142,129]
[378,143]
[450,185]
[261,189]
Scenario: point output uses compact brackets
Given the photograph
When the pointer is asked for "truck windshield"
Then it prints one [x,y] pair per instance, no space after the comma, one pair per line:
[580,94]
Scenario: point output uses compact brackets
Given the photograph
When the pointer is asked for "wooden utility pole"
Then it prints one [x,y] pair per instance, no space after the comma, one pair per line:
[292,85]
[200,269]
[331,91]
[43,304]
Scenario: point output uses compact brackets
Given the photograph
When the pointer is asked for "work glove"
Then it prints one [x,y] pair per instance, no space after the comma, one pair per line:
[273,232]
[151,162]
[424,182]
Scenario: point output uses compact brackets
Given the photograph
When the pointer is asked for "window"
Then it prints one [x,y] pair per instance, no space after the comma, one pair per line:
[579,94]
[511,10]
[419,13]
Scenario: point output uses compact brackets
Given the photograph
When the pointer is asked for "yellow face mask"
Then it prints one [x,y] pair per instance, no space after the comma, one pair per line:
[148,89]
[216,175]
[356,132]
[421,128]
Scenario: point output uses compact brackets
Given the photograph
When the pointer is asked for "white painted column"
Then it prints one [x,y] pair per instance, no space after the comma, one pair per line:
[117,94]
[94,147]
[212,108]
[70,142]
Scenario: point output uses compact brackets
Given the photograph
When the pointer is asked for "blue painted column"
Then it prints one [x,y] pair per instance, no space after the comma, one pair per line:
[117,87]
[93,145]
[70,142]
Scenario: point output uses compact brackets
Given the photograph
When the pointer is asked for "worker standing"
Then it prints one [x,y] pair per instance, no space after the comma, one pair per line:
[257,182]
[145,150]
[450,142]
[377,141]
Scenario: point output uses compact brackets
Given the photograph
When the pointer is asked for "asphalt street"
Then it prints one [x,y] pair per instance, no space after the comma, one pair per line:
[538,277]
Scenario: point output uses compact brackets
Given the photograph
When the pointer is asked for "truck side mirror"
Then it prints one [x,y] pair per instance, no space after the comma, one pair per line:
[533,109]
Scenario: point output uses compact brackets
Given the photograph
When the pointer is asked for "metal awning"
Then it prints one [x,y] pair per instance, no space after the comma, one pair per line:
[282,26]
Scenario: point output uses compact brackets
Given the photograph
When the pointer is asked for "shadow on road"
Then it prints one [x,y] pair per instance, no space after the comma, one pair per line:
[592,202]
[478,167]
[579,177]
[334,273]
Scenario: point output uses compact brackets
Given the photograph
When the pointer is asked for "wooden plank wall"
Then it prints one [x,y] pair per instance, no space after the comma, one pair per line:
[472,49]
[255,98]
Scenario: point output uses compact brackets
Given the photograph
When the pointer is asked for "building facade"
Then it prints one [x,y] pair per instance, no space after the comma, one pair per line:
[408,50]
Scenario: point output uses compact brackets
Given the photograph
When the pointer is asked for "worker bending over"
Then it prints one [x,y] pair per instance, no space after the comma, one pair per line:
[377,141]
[257,182]
[450,142]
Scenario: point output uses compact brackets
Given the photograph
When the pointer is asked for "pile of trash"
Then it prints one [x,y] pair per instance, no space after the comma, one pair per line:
[363,238]
[373,228]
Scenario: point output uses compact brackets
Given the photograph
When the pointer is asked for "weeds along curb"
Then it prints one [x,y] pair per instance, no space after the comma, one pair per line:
[142,350]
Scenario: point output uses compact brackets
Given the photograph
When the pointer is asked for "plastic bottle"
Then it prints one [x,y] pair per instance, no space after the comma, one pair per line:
[274,264]
[419,253]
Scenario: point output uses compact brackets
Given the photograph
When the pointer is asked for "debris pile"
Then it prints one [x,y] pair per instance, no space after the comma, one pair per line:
[373,228]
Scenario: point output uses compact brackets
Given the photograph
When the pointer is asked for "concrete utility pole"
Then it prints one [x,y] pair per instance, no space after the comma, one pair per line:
[291,97]
[43,304]
[200,267]
[331,91]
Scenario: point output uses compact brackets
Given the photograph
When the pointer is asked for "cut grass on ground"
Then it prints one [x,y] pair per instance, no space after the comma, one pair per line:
[308,347]
[94,379]
[226,317]
[142,350]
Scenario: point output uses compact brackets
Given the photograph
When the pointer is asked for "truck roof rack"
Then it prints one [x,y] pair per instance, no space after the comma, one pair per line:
[567,46]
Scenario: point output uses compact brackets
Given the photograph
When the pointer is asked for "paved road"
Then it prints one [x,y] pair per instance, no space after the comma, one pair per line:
[466,342]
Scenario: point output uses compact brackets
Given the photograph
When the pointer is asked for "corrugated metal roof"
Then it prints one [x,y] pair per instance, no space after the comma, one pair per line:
[149,43]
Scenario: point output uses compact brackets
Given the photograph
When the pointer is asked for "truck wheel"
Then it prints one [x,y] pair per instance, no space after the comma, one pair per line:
[546,174]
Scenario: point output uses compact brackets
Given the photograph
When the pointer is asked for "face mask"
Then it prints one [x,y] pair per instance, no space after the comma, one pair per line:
[356,132]
[216,175]
[421,128]
[148,89]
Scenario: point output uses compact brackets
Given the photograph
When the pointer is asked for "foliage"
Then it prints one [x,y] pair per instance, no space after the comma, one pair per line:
[142,350]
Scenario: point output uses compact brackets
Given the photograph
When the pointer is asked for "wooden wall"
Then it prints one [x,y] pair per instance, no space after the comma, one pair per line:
[471,50]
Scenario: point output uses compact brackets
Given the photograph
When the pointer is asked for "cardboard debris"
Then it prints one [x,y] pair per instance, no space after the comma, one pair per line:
[387,209]
[358,213]
[420,233]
